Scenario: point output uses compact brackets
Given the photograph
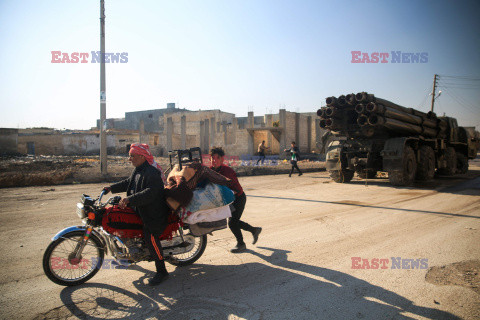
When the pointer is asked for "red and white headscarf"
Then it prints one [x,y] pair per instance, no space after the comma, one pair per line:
[144,150]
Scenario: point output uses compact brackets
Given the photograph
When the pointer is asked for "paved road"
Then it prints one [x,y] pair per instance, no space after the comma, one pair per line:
[301,268]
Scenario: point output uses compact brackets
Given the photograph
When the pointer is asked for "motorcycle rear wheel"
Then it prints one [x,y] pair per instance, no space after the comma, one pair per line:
[59,266]
[191,256]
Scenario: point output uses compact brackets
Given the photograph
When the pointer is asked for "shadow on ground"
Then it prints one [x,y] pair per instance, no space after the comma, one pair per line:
[275,288]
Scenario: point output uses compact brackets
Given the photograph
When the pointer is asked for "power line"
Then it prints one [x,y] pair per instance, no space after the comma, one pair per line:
[422,104]
[460,77]
[461,103]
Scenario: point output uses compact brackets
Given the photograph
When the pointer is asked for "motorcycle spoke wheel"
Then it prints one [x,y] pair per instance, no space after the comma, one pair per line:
[61,267]
[191,256]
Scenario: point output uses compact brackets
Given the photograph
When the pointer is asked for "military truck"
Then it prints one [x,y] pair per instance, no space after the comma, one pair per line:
[374,135]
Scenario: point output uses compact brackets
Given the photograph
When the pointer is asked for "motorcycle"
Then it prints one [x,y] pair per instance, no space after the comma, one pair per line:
[77,253]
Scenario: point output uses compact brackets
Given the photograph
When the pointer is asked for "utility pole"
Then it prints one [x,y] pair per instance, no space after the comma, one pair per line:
[103,97]
[433,91]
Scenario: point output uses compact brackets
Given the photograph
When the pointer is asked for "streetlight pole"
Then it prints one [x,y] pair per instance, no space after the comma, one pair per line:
[103,99]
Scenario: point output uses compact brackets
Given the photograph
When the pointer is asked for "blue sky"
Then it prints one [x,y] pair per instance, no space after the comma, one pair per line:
[237,56]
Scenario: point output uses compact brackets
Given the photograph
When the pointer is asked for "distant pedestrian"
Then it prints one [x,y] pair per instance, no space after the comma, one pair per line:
[235,224]
[261,151]
[295,156]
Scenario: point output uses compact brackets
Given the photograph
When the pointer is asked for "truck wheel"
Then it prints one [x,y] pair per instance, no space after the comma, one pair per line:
[367,175]
[425,163]
[341,176]
[406,175]
[451,157]
[462,163]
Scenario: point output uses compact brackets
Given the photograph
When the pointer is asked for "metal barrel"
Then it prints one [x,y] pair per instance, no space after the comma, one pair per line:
[322,123]
[400,108]
[331,111]
[364,97]
[341,101]
[350,98]
[402,116]
[331,101]
[360,108]
[394,125]
[430,123]
[362,120]
[429,132]
[374,107]
[321,112]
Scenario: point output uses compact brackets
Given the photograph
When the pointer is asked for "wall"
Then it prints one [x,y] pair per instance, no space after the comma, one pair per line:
[8,141]
[203,129]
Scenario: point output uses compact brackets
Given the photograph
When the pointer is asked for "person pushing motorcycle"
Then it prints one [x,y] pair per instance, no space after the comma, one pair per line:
[145,193]
[217,157]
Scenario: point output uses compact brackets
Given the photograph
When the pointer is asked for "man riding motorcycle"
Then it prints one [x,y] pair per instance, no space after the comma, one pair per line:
[146,195]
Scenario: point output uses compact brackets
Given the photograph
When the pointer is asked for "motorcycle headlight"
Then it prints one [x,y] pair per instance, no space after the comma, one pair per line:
[81,211]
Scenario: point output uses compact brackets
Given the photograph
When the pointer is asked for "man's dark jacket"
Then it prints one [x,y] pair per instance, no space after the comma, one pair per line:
[146,194]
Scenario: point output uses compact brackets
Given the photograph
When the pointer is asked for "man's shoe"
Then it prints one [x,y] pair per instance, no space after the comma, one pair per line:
[158,278]
[255,234]
[300,174]
[290,175]
[239,248]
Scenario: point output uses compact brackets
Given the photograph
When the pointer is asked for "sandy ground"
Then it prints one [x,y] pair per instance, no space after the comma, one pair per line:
[58,170]
[301,268]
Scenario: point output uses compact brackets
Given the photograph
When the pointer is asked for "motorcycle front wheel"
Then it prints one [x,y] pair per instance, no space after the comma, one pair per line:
[61,266]
[191,256]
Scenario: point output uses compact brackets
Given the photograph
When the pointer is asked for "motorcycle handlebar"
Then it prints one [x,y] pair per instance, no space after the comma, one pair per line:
[101,196]
[111,200]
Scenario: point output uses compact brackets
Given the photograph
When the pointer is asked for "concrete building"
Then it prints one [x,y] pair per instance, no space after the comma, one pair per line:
[171,128]
[241,136]
[149,118]
[8,141]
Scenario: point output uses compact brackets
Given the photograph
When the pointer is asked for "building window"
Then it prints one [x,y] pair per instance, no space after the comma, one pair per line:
[150,116]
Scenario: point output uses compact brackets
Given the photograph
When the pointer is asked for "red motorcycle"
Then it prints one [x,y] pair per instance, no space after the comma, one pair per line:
[77,253]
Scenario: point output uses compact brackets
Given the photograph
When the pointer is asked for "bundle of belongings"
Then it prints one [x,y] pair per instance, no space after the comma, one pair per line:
[200,196]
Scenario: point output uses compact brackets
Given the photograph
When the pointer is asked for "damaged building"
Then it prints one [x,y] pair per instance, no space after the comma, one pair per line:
[172,128]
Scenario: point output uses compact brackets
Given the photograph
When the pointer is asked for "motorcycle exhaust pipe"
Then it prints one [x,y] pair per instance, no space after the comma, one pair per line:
[362,120]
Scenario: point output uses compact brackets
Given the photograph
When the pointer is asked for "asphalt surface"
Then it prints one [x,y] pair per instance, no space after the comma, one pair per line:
[316,234]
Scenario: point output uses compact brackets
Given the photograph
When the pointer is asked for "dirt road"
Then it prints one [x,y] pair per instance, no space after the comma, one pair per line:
[307,264]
